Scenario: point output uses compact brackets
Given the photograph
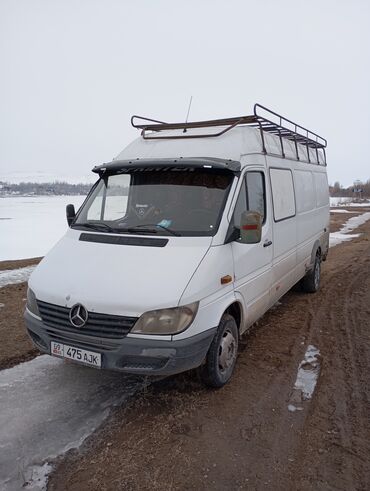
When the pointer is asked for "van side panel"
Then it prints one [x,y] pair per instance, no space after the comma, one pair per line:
[312,199]
[308,229]
[284,227]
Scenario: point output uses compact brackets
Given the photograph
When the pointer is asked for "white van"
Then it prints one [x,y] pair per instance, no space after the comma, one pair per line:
[189,236]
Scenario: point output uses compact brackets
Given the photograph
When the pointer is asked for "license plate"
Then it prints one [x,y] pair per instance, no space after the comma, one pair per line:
[77,354]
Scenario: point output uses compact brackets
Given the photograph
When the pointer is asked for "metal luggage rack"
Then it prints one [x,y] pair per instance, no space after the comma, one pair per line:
[283,128]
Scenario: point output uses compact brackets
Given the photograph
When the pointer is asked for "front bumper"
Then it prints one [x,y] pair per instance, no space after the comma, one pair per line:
[131,355]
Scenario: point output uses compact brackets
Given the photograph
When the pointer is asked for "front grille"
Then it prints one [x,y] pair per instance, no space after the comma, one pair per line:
[98,325]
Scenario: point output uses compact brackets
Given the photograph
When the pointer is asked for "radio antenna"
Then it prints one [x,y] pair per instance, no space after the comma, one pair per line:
[187,116]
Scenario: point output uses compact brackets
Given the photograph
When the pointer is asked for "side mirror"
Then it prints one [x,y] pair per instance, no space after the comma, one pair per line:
[71,214]
[250,227]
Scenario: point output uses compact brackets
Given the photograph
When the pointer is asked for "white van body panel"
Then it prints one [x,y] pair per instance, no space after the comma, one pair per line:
[232,145]
[115,279]
[312,213]
[205,285]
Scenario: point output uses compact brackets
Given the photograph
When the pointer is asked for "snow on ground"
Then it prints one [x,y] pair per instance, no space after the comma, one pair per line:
[363,204]
[39,477]
[348,202]
[30,226]
[307,375]
[351,224]
[49,406]
[337,238]
[335,210]
[11,276]
[355,222]
[339,201]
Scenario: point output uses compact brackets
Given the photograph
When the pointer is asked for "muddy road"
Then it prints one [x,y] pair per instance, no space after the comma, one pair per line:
[177,435]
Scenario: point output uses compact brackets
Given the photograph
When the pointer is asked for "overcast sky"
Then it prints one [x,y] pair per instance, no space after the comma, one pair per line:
[74,71]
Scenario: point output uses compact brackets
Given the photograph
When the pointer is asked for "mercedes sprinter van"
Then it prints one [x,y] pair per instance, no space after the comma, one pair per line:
[189,236]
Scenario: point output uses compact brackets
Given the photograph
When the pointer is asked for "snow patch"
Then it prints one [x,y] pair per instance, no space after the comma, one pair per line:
[355,222]
[363,204]
[351,224]
[39,475]
[335,210]
[337,238]
[292,408]
[11,276]
[339,201]
[307,375]
[348,202]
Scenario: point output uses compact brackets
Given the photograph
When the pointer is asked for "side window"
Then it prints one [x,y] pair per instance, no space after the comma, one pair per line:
[256,193]
[241,205]
[282,193]
[252,197]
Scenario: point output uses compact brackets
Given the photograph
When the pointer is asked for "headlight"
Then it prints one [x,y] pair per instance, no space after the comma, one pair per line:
[166,321]
[32,303]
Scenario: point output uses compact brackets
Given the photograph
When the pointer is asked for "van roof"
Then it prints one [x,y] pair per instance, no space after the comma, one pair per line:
[264,132]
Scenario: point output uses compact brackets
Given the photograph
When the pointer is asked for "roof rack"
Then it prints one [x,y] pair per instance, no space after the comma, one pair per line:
[282,127]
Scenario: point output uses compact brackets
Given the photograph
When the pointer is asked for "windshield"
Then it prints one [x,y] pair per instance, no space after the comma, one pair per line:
[178,202]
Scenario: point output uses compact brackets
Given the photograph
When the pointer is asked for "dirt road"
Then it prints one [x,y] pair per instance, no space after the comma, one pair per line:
[15,344]
[178,435]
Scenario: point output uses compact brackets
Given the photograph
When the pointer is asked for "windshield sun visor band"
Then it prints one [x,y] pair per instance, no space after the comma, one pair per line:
[133,241]
[168,164]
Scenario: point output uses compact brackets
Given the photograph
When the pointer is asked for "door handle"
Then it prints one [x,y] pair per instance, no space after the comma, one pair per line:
[267,243]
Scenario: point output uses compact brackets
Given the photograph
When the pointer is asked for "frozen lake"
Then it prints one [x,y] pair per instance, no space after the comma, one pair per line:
[30,226]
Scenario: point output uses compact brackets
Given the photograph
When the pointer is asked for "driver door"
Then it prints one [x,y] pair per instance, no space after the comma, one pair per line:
[253,262]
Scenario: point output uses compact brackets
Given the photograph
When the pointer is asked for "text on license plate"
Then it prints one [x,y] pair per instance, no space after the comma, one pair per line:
[77,354]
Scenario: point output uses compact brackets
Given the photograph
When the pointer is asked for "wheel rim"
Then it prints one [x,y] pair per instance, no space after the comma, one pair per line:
[317,273]
[227,353]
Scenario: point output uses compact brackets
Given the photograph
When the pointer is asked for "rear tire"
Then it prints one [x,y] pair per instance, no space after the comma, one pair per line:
[311,282]
[222,354]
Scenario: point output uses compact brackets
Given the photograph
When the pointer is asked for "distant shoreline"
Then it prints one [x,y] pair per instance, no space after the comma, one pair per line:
[29,189]
[51,195]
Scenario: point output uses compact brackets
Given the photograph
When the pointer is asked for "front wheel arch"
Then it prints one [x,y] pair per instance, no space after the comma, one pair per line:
[222,353]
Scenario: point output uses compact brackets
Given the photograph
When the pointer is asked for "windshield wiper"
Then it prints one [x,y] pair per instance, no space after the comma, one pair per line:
[97,226]
[138,228]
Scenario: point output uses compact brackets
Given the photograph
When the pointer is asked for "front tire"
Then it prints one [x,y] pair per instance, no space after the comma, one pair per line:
[222,354]
[311,282]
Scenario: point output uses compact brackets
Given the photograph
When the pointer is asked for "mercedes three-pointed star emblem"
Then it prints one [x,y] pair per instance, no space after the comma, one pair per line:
[78,315]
